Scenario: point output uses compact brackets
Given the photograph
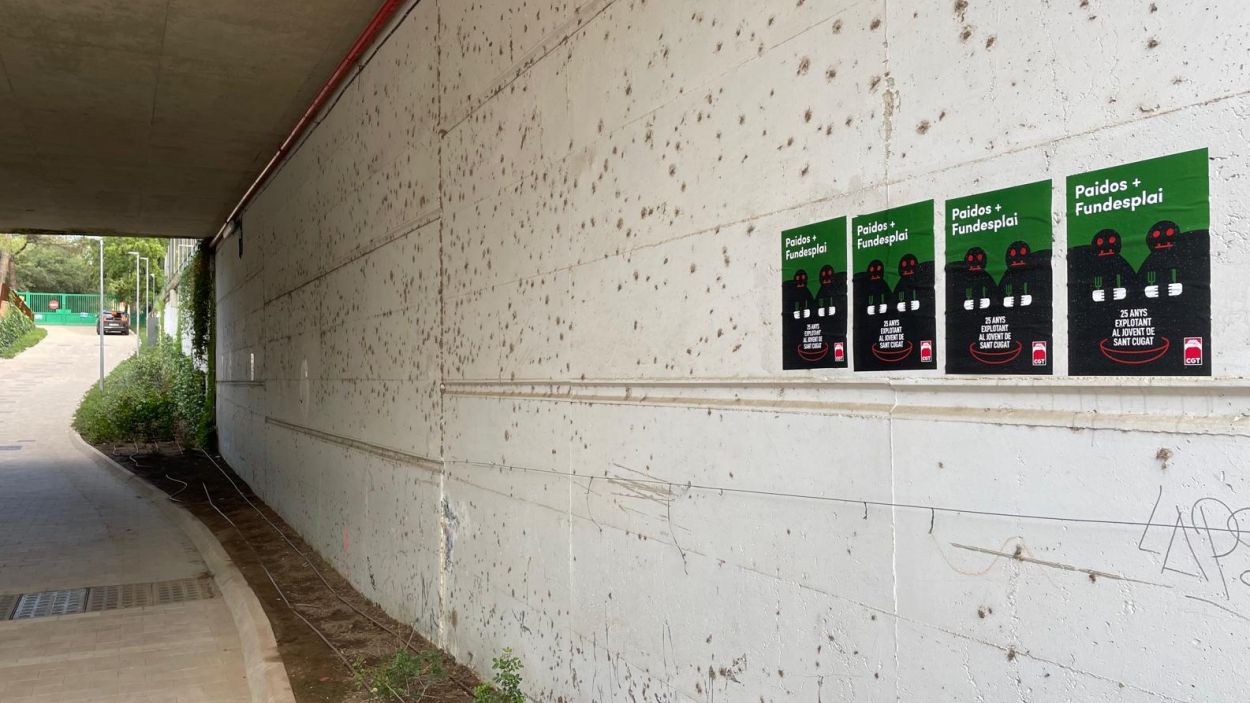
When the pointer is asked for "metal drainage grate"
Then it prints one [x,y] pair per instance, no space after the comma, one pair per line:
[39,605]
[131,595]
[99,598]
[183,590]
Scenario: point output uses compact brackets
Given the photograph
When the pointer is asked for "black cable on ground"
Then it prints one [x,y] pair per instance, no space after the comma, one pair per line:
[174,496]
[260,562]
[406,642]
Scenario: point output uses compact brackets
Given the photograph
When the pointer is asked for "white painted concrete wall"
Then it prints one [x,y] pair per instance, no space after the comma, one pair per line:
[503,346]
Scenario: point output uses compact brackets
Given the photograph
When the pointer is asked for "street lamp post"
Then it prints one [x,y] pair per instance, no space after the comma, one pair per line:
[147,297]
[133,321]
[100,306]
[147,327]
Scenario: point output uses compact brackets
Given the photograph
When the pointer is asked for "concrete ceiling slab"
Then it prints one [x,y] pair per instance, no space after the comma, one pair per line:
[153,116]
[134,25]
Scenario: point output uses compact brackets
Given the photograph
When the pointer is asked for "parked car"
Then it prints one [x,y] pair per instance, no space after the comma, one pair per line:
[113,322]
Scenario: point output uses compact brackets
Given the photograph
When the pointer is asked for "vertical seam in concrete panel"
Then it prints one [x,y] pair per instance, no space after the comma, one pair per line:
[894,540]
[570,633]
[888,116]
[583,15]
[889,100]
[441,638]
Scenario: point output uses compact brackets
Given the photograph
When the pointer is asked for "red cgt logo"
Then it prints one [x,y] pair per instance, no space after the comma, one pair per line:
[1193,351]
[1039,353]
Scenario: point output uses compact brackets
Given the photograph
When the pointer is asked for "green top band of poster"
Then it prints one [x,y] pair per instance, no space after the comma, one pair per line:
[984,220]
[888,234]
[1129,199]
[823,242]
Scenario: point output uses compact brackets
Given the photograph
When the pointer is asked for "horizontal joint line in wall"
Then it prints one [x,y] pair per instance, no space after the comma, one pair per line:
[1074,418]
[342,379]
[1083,384]
[388,453]
[673,489]
[582,16]
[402,231]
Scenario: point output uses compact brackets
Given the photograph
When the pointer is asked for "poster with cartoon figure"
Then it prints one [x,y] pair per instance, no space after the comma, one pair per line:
[813,296]
[998,282]
[893,299]
[1139,269]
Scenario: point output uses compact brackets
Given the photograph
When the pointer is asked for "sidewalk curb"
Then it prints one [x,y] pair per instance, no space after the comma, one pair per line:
[266,674]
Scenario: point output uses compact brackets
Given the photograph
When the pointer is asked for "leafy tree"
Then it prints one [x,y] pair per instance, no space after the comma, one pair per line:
[58,265]
[119,265]
[11,245]
[70,264]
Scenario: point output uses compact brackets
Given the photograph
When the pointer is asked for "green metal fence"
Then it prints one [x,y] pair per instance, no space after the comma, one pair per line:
[65,308]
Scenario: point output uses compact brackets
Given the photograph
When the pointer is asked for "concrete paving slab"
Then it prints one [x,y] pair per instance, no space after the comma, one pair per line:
[65,522]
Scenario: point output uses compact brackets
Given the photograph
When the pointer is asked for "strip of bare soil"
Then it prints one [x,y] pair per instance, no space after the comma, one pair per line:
[317,673]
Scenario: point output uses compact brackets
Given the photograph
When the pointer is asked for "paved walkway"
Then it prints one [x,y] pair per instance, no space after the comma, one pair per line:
[67,523]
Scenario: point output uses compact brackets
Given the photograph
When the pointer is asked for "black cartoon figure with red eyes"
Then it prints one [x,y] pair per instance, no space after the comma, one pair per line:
[976,283]
[874,291]
[831,297]
[914,303]
[1111,275]
[870,307]
[1160,275]
[907,292]
[796,310]
[1171,282]
[1026,282]
[1101,285]
[1026,296]
[796,298]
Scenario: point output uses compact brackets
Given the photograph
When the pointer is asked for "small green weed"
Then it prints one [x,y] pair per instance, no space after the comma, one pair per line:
[407,675]
[507,682]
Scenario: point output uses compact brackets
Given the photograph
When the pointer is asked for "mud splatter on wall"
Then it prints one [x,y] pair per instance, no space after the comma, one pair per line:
[512,308]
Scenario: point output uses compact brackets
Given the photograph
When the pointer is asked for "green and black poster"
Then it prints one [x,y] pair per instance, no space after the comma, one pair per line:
[813,296]
[892,255]
[998,282]
[1139,269]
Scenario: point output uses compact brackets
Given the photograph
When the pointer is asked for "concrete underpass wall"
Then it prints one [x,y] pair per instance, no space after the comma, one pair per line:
[328,321]
[568,215]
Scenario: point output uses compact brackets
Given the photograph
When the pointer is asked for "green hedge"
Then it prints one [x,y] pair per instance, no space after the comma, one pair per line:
[195,295]
[154,396]
[14,326]
[23,343]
